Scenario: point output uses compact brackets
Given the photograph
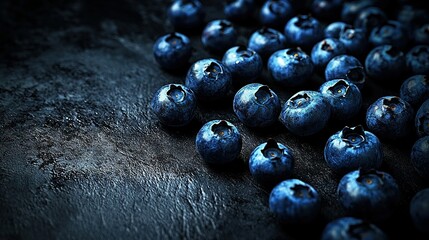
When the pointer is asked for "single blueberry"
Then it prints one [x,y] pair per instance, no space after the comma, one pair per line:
[390,117]
[422,119]
[266,41]
[370,194]
[346,67]
[275,13]
[218,142]
[218,36]
[419,210]
[325,50]
[385,63]
[239,10]
[290,67]
[412,16]
[306,113]
[420,157]
[327,9]
[354,41]
[244,64]
[271,162]
[351,9]
[256,105]
[172,51]
[353,148]
[294,201]
[303,31]
[421,35]
[186,15]
[174,105]
[346,228]
[334,29]
[343,96]
[417,59]
[370,18]
[415,90]
[209,79]
[391,33]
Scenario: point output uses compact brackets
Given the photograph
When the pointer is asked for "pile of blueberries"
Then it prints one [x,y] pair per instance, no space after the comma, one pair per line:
[353,42]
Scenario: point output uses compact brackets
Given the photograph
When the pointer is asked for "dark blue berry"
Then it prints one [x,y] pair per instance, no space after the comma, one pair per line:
[351,9]
[420,157]
[417,59]
[354,41]
[325,50]
[244,64]
[266,41]
[346,67]
[218,36]
[391,33]
[303,31]
[421,35]
[275,13]
[419,210]
[422,119]
[186,15]
[370,18]
[415,90]
[239,10]
[172,51]
[347,228]
[334,29]
[385,63]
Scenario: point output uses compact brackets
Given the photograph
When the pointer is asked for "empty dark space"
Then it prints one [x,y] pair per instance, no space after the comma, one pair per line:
[83,157]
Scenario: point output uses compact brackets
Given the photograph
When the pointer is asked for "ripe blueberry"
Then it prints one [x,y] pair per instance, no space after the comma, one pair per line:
[172,51]
[420,157]
[218,36]
[244,64]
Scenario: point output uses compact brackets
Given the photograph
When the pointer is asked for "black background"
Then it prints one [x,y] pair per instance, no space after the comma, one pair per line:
[83,157]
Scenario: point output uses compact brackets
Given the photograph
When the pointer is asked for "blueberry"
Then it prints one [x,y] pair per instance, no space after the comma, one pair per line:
[186,15]
[244,64]
[325,50]
[346,67]
[352,228]
[174,105]
[419,210]
[412,16]
[392,33]
[274,13]
[420,157]
[385,63]
[351,9]
[218,36]
[239,10]
[209,79]
[305,113]
[172,51]
[327,9]
[271,162]
[352,149]
[218,142]
[266,41]
[415,90]
[370,18]
[334,29]
[354,41]
[290,67]
[390,117]
[256,105]
[294,201]
[421,35]
[422,119]
[417,59]
[343,96]
[303,31]
[369,194]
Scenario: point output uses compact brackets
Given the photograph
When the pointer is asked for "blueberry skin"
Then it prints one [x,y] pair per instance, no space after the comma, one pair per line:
[218,36]
[419,210]
[344,97]
[417,59]
[303,31]
[172,51]
[421,35]
[354,41]
[391,33]
[390,117]
[325,50]
[353,148]
[174,105]
[266,41]
[275,13]
[209,79]
[370,18]
[346,228]
[218,142]
[294,201]
[290,67]
[415,90]
[385,63]
[239,10]
[420,157]
[244,64]
[346,67]
[271,162]
[305,113]
[186,15]
[422,120]
[334,29]
[351,9]
[256,105]
[327,9]
[369,194]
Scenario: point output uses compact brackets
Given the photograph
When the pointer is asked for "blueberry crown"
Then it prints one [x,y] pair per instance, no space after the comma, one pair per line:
[326,46]
[244,51]
[224,25]
[221,128]
[392,103]
[367,176]
[176,93]
[420,50]
[213,70]
[359,229]
[340,88]
[276,6]
[263,94]
[356,75]
[299,100]
[272,150]
[269,33]
[393,51]
[304,21]
[174,39]
[296,53]
[302,191]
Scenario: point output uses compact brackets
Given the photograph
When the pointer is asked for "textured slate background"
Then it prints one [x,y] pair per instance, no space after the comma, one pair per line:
[82,157]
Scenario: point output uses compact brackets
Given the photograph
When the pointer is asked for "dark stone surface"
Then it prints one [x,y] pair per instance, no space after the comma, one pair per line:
[82,157]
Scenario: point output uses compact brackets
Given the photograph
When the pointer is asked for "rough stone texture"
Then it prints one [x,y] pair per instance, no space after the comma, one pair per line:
[82,157]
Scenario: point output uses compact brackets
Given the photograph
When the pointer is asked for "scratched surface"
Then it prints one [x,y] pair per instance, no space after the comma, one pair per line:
[82,157]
